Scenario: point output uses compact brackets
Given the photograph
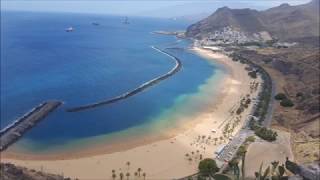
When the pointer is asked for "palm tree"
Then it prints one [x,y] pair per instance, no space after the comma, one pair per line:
[121,175]
[139,170]
[234,164]
[114,176]
[242,152]
[135,174]
[200,157]
[203,137]
[262,175]
[215,141]
[127,174]
[197,152]
[224,138]
[128,164]
[144,175]
[113,171]
[190,159]
[187,155]
[276,172]
[230,132]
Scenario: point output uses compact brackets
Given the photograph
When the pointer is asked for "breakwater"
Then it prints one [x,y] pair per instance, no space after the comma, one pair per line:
[15,130]
[137,90]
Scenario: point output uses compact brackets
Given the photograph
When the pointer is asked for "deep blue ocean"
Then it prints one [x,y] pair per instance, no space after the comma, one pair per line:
[41,61]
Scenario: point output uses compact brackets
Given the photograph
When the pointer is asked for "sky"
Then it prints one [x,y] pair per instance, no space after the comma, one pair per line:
[151,8]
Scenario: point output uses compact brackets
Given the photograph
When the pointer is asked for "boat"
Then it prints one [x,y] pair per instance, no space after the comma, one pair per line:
[126,20]
[69,29]
[95,24]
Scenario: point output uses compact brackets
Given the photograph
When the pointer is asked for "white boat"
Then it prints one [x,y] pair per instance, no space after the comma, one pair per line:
[126,21]
[69,29]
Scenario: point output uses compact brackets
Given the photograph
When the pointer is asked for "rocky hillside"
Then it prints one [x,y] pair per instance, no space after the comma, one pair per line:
[12,172]
[282,22]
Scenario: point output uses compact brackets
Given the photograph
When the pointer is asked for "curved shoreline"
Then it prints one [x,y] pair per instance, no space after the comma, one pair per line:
[137,90]
[171,146]
[180,128]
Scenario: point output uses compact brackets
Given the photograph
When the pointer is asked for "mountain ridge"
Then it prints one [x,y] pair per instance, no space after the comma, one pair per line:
[282,22]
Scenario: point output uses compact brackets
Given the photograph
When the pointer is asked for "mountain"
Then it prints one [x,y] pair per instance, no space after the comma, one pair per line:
[283,22]
[293,21]
[240,19]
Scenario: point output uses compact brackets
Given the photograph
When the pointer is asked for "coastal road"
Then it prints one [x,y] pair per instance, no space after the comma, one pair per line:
[268,119]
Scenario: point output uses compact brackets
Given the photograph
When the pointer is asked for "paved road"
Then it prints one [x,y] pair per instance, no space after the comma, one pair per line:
[267,121]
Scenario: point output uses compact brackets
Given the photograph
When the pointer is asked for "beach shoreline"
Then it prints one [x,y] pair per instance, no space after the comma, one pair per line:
[171,146]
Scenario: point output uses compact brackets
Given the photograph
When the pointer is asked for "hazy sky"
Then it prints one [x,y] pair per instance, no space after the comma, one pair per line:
[154,8]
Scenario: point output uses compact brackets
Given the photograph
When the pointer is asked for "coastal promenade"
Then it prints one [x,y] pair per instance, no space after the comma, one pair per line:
[232,147]
[15,130]
[137,90]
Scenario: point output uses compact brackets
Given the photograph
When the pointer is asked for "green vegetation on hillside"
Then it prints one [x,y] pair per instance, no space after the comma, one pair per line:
[208,167]
[280,96]
[262,132]
[250,139]
[286,103]
[266,134]
[284,100]
[252,74]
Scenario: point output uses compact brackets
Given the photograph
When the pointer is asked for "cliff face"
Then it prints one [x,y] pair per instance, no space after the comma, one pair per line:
[283,22]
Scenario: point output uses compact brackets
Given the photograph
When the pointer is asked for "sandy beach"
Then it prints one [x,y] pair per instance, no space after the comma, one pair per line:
[163,158]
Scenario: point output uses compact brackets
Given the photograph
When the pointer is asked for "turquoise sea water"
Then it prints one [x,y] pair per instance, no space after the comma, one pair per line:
[40,61]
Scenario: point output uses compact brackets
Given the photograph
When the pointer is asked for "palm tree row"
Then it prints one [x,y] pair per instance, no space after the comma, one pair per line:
[194,156]
[207,141]
[138,173]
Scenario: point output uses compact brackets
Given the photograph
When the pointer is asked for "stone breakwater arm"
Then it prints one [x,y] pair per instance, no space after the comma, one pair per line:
[15,130]
[137,90]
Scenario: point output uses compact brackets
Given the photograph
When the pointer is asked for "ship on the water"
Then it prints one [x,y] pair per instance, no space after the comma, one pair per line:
[126,20]
[69,29]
